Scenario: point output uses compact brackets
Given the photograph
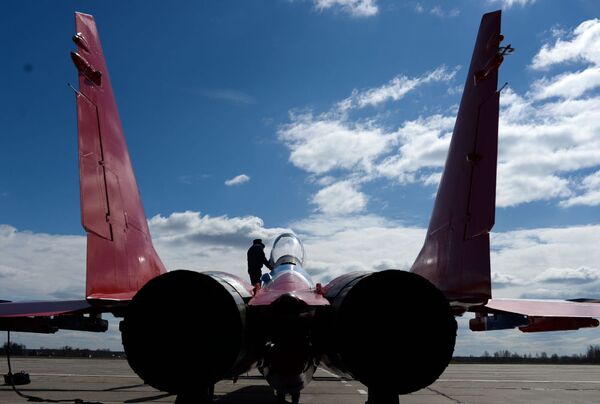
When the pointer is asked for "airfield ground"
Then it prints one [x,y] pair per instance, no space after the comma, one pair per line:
[112,381]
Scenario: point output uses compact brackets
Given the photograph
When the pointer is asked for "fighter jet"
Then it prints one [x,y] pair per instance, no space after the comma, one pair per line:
[392,330]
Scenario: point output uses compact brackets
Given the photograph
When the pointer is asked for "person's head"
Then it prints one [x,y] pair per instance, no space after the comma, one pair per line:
[259,242]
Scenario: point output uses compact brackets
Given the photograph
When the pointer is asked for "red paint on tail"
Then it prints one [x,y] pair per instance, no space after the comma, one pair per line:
[456,253]
[120,254]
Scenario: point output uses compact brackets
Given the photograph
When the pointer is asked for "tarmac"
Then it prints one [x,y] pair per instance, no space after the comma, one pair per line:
[112,381]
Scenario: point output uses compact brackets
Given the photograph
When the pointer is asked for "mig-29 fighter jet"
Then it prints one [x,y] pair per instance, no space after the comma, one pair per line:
[392,330]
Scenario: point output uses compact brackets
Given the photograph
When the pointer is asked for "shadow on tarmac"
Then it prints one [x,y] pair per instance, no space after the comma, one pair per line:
[248,395]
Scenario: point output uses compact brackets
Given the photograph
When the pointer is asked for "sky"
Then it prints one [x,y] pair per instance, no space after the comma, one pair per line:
[330,118]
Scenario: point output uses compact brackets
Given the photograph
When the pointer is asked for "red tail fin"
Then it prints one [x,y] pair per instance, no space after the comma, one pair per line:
[120,255]
[456,253]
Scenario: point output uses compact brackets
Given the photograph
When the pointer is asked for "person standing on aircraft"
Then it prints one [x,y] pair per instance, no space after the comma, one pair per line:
[256,260]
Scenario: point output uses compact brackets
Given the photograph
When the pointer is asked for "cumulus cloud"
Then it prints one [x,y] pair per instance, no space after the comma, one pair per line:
[324,143]
[191,240]
[356,8]
[321,144]
[340,198]
[569,275]
[590,195]
[510,3]
[423,144]
[579,46]
[568,85]
[551,132]
[437,11]
[237,180]
[534,262]
[548,135]
[395,89]
[546,260]
[500,280]
[39,265]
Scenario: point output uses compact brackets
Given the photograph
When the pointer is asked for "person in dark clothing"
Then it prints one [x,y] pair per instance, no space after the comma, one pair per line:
[256,259]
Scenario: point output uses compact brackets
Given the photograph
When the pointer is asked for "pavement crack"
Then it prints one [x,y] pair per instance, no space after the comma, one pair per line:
[444,395]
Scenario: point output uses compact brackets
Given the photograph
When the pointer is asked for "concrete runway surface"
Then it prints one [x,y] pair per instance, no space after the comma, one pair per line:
[112,381]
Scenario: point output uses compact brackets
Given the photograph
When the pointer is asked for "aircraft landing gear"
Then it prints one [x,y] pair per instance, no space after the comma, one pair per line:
[382,397]
[202,395]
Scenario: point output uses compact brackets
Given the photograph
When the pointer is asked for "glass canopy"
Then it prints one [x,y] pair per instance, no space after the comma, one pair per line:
[287,249]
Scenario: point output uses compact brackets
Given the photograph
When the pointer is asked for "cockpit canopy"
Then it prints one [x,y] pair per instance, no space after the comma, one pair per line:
[287,249]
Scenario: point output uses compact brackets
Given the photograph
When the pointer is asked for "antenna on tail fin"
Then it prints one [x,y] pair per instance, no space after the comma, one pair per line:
[456,253]
[120,254]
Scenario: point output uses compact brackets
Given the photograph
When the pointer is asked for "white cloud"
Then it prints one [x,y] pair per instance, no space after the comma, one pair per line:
[395,89]
[510,3]
[583,45]
[41,266]
[590,195]
[423,144]
[237,180]
[215,233]
[564,276]
[568,85]
[551,133]
[229,95]
[500,280]
[356,8]
[548,135]
[540,257]
[340,198]
[330,142]
[322,144]
[437,11]
[440,12]
[523,262]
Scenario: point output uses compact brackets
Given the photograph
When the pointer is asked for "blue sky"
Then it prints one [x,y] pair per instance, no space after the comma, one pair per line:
[333,114]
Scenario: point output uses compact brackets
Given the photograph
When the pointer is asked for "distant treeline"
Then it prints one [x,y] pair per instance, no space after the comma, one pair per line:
[592,356]
[64,352]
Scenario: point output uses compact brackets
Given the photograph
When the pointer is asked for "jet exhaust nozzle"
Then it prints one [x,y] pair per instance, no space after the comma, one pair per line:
[185,329]
[392,330]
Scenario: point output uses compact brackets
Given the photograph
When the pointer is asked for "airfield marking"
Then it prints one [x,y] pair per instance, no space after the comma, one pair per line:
[518,381]
[83,375]
[344,382]
[330,373]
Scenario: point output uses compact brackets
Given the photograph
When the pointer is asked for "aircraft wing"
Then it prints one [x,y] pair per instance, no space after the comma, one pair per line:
[534,315]
[48,317]
[545,308]
[39,308]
